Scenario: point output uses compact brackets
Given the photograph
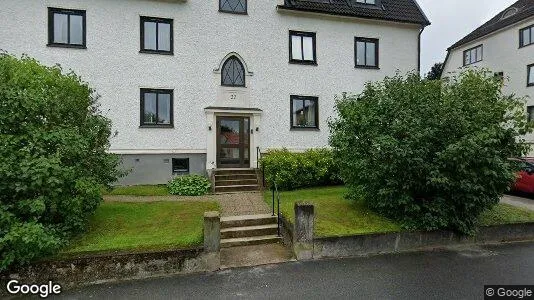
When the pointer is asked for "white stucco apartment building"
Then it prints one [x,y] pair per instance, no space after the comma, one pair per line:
[505,45]
[194,85]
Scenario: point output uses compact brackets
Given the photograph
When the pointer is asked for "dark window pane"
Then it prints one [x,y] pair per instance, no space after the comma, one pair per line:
[230,132]
[180,165]
[233,5]
[531,75]
[233,72]
[164,109]
[61,28]
[370,54]
[299,119]
[150,36]
[150,108]
[164,37]
[76,30]
[526,37]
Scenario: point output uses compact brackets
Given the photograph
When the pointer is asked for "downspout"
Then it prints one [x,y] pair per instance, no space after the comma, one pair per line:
[419,50]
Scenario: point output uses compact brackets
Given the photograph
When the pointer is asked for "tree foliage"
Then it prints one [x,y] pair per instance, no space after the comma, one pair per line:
[430,154]
[53,158]
[435,71]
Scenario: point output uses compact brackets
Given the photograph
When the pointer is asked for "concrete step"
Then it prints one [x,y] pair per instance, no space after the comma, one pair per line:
[234,171]
[236,177]
[236,182]
[249,231]
[256,240]
[248,220]
[236,188]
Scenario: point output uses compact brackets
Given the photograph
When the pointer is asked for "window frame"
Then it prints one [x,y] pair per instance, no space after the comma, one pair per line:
[187,160]
[530,108]
[68,12]
[242,67]
[303,98]
[234,12]
[157,20]
[530,81]
[142,123]
[531,30]
[481,46]
[302,34]
[377,52]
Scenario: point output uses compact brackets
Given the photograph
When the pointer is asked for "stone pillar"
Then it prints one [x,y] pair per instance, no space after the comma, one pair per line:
[303,233]
[212,231]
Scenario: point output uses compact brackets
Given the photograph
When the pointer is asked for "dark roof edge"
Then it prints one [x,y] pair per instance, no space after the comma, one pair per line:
[283,7]
[423,13]
[458,45]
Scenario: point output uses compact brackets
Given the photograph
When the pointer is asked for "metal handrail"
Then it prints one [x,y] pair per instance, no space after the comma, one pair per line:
[275,190]
[258,158]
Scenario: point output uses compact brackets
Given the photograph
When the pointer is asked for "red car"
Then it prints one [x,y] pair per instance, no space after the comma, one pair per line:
[525,179]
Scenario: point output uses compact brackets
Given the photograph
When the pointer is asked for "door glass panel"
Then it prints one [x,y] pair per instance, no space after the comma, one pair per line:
[229,132]
[247,131]
[230,153]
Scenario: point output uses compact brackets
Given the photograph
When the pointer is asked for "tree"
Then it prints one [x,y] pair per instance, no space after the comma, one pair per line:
[435,71]
[53,158]
[430,154]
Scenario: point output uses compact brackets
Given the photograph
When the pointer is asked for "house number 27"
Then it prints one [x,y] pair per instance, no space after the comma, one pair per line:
[233,96]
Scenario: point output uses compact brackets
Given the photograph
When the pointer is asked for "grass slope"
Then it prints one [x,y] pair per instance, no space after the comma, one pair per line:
[143,226]
[336,216]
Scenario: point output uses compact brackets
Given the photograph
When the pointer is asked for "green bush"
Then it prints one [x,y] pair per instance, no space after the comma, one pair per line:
[430,154]
[292,170]
[53,158]
[189,185]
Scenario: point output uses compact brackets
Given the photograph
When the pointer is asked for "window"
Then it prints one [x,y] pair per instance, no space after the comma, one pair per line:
[233,72]
[304,112]
[530,113]
[366,52]
[233,6]
[526,36]
[302,48]
[66,28]
[156,108]
[530,76]
[180,166]
[157,35]
[366,1]
[473,55]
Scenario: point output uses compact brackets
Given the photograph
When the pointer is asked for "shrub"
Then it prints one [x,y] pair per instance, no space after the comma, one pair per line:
[53,158]
[189,185]
[430,154]
[291,170]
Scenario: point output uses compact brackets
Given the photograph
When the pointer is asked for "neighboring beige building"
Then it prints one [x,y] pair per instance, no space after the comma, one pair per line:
[505,45]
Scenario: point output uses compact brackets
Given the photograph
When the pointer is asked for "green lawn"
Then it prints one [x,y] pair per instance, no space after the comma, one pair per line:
[138,190]
[336,216]
[120,226]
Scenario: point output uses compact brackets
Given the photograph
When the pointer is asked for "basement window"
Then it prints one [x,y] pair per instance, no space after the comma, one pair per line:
[180,166]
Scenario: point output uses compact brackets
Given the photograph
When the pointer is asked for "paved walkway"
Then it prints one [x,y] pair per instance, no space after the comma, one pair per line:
[518,201]
[235,204]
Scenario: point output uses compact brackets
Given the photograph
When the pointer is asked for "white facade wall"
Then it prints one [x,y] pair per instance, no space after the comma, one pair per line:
[203,36]
[501,54]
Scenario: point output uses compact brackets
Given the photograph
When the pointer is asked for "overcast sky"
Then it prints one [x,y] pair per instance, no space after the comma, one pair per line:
[451,21]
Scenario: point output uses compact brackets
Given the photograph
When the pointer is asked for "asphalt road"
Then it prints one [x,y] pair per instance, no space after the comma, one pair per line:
[459,273]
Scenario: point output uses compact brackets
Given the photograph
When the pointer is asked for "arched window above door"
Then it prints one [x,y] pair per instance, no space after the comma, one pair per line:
[233,72]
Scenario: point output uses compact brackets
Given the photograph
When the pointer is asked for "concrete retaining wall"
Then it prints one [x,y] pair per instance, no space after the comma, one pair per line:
[358,245]
[93,269]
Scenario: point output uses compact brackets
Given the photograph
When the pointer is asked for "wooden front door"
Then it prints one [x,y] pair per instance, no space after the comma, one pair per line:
[233,142]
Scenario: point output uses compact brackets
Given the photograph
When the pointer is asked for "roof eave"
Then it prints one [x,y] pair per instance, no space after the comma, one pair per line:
[317,11]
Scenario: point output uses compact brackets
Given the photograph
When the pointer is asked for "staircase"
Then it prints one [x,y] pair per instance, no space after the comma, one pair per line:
[235,180]
[249,230]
